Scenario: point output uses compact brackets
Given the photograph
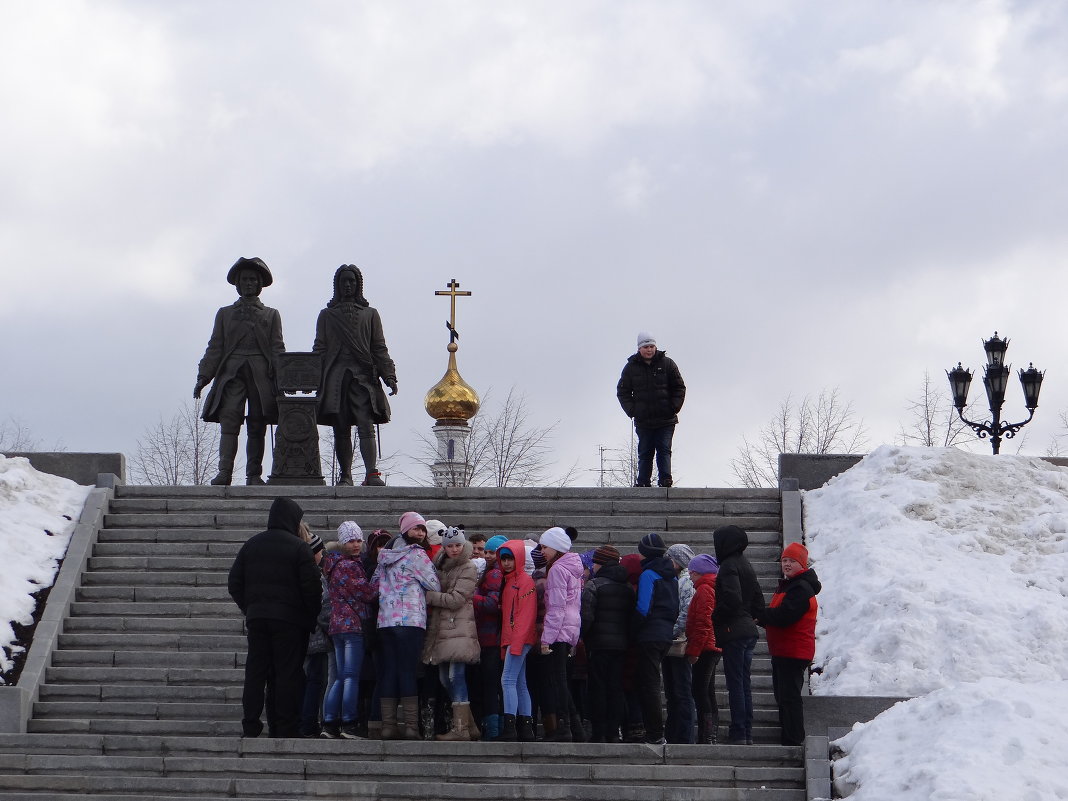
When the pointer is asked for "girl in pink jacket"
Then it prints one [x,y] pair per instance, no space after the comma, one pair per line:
[560,632]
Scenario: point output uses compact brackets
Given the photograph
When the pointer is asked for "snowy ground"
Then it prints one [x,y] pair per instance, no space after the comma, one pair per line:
[37,515]
[944,577]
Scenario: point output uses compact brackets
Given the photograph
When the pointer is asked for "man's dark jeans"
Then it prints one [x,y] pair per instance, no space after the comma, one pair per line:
[654,441]
[648,679]
[737,664]
[678,691]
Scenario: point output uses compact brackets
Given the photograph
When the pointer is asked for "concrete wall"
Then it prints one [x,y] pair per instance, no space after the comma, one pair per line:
[812,470]
[81,468]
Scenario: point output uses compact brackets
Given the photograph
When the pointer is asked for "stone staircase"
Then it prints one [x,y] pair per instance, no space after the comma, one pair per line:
[142,698]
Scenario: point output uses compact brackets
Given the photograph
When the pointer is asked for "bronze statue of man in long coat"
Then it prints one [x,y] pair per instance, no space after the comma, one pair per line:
[241,359]
[355,361]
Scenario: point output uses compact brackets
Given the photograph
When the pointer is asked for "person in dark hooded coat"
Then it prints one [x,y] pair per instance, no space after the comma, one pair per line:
[738,602]
[275,582]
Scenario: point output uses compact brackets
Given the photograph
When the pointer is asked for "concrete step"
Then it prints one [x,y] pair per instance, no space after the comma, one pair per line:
[177,659]
[226,693]
[121,788]
[427,495]
[161,677]
[195,610]
[172,578]
[425,770]
[151,594]
[531,524]
[456,508]
[223,553]
[231,624]
[129,641]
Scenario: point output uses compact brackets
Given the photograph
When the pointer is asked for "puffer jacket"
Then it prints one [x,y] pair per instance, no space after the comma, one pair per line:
[274,575]
[651,392]
[350,593]
[686,590]
[790,618]
[738,596]
[607,610]
[658,600]
[563,602]
[700,633]
[451,635]
[519,604]
[402,579]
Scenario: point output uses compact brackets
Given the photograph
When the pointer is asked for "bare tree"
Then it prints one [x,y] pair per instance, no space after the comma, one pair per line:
[1057,446]
[821,424]
[15,437]
[182,450]
[933,420]
[504,449]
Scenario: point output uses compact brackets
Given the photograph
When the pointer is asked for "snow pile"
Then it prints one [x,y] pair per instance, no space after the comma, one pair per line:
[992,739]
[38,513]
[939,566]
[944,577]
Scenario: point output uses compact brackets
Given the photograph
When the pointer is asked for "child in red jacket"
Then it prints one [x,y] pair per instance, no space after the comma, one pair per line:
[790,622]
[519,610]
[701,648]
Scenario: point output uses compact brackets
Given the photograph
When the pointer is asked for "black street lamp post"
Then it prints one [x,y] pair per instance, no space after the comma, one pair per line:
[995,379]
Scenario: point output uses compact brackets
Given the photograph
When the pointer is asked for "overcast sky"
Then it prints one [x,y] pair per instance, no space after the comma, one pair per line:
[789,196]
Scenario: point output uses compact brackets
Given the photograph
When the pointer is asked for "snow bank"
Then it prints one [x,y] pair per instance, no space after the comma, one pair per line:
[939,566]
[38,512]
[989,740]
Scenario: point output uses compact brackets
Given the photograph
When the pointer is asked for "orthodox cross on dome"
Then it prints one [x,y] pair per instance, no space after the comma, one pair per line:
[453,293]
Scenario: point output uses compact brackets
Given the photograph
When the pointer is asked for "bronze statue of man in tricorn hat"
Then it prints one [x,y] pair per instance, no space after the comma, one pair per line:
[244,346]
[355,363]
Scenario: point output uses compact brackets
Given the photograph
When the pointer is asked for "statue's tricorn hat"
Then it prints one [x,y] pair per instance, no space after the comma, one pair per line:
[253,264]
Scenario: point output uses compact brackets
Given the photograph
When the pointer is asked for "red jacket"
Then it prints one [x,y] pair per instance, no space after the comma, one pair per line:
[700,635]
[519,603]
[790,619]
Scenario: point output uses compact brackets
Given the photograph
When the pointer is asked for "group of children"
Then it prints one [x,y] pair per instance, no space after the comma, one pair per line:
[505,633]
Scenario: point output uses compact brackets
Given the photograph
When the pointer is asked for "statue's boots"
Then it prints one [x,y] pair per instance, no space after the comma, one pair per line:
[369,452]
[257,432]
[227,454]
[343,450]
[374,479]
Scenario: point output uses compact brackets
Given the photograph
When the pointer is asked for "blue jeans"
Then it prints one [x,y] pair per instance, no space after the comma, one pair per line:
[514,683]
[402,647]
[658,441]
[737,663]
[344,693]
[453,677]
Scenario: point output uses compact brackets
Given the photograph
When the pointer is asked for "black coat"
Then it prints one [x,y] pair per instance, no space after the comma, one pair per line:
[738,595]
[651,392]
[607,610]
[274,575]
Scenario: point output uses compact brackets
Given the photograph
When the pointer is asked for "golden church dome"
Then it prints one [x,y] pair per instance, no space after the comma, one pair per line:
[452,398]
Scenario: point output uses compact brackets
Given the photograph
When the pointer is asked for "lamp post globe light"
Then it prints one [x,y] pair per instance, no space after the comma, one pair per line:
[995,379]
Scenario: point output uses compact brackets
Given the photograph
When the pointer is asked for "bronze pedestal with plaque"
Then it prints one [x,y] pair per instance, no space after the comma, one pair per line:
[296,444]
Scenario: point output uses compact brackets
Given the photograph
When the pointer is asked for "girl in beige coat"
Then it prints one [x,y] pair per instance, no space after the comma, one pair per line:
[451,635]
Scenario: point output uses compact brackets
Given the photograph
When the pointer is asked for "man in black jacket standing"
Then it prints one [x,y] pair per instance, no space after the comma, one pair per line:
[738,601]
[275,581]
[651,391]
